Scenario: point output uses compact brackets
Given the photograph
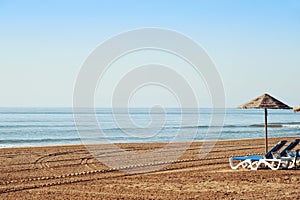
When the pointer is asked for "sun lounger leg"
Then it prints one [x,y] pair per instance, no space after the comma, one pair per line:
[245,164]
[273,164]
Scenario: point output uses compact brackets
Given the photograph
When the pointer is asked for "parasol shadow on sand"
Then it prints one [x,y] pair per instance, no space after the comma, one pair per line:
[265,102]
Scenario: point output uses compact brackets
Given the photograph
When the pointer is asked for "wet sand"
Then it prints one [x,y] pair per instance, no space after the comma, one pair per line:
[72,172]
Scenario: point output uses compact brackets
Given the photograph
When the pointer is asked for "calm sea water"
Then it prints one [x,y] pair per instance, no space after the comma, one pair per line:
[55,126]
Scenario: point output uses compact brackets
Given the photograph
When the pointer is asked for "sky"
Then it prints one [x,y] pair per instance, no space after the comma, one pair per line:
[255,46]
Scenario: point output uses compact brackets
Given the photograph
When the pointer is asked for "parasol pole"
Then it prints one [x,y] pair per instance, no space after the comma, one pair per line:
[266,128]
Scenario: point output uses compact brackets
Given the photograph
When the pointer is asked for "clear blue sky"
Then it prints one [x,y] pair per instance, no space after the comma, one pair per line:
[255,44]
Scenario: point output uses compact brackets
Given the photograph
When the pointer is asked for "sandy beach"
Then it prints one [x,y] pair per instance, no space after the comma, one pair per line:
[71,172]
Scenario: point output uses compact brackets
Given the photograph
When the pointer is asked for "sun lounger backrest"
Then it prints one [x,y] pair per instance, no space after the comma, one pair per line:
[289,148]
[278,146]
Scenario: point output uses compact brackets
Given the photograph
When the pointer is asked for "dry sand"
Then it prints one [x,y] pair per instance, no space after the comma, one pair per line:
[71,172]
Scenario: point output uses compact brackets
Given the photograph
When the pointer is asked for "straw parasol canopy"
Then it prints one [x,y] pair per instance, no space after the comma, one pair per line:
[297,109]
[265,101]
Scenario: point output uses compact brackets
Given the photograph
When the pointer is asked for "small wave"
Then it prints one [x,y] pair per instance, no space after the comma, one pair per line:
[35,113]
[269,125]
[46,140]
[175,127]
[285,125]
[292,123]
[37,126]
[291,126]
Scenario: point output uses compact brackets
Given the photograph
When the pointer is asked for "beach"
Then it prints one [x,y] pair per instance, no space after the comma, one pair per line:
[149,100]
[72,172]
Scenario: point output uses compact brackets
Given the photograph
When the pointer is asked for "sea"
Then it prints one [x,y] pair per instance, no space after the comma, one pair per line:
[26,127]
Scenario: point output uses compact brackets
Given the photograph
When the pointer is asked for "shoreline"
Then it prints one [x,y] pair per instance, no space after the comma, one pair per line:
[121,143]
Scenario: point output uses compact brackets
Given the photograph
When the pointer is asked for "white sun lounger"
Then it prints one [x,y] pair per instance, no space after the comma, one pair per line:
[251,161]
[282,160]
[295,157]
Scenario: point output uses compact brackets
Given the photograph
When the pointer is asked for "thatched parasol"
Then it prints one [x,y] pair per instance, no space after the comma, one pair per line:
[267,102]
[297,109]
